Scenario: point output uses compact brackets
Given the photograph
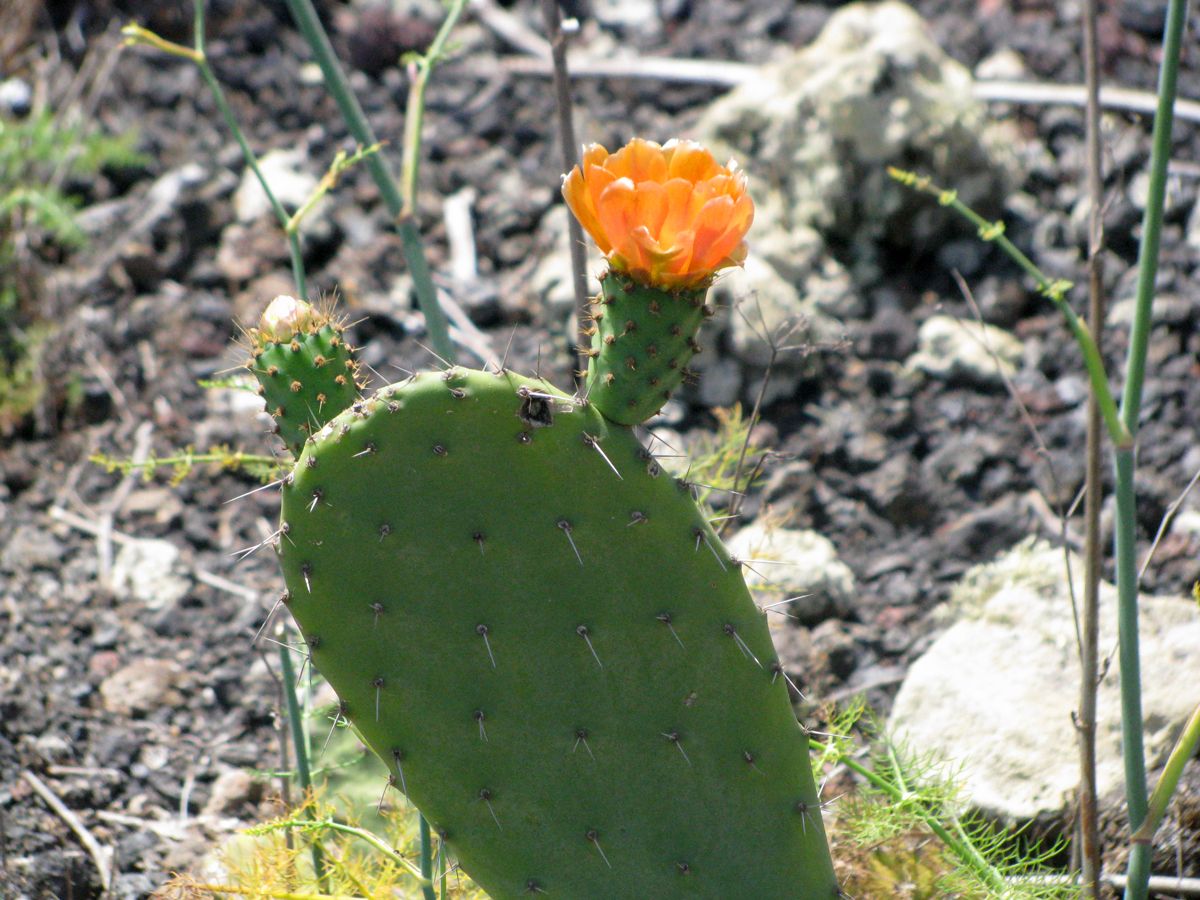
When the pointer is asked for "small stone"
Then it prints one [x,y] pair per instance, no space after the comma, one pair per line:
[52,748]
[232,792]
[286,171]
[31,548]
[1003,65]
[960,350]
[801,564]
[103,664]
[141,687]
[150,572]
[16,97]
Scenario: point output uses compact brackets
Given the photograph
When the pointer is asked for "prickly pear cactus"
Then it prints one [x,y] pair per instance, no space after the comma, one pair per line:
[306,372]
[535,628]
[642,340]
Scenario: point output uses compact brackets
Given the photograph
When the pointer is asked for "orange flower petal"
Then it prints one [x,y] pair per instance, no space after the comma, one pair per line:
[615,207]
[650,206]
[667,215]
[723,246]
[579,200]
[689,160]
[639,160]
[711,224]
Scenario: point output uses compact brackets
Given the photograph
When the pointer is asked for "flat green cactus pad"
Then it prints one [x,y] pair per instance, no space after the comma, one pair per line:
[535,628]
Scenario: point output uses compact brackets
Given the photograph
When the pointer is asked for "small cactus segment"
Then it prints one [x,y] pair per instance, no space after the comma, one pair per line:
[642,340]
[538,632]
[305,369]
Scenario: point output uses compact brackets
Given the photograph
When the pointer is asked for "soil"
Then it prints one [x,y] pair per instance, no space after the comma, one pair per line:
[130,711]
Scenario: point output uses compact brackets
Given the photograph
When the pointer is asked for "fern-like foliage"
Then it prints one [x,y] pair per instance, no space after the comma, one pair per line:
[906,831]
[220,457]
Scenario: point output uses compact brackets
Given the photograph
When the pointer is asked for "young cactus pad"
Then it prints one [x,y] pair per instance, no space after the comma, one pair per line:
[306,372]
[642,341]
[535,628]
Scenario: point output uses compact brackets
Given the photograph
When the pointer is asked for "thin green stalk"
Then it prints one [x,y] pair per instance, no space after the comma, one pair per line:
[136,34]
[305,17]
[414,112]
[1133,752]
[300,745]
[1184,749]
[426,860]
[362,834]
[1055,291]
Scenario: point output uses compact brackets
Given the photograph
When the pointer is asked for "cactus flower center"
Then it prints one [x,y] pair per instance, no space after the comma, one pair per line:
[669,216]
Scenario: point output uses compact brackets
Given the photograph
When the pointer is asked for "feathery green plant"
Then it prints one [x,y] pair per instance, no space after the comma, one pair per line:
[37,154]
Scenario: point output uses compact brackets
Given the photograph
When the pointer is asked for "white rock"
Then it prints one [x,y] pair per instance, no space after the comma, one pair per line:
[951,348]
[795,563]
[287,172]
[993,695]
[150,572]
[823,125]
[640,16]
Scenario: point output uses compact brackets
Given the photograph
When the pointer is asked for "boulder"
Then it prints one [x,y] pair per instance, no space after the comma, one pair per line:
[994,694]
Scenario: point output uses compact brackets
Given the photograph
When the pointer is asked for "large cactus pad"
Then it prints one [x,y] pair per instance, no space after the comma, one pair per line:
[538,632]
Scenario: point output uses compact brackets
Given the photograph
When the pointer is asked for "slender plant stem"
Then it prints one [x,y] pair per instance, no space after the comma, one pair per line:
[426,860]
[300,745]
[136,34]
[1089,824]
[566,137]
[210,78]
[414,112]
[1133,751]
[1185,749]
[1055,291]
[306,19]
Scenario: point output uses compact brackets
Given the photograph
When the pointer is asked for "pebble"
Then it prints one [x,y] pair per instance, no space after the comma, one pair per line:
[796,563]
[965,351]
[141,687]
[233,790]
[150,571]
[32,548]
[16,97]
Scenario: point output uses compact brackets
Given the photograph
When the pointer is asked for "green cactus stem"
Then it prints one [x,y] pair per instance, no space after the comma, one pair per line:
[536,629]
[642,341]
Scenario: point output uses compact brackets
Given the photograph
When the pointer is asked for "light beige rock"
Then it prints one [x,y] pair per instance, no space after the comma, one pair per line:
[963,349]
[141,687]
[818,130]
[994,694]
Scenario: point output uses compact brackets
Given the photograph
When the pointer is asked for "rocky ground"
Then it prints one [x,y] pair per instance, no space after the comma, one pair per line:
[130,686]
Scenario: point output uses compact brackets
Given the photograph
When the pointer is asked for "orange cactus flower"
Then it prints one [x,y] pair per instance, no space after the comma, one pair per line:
[669,216]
